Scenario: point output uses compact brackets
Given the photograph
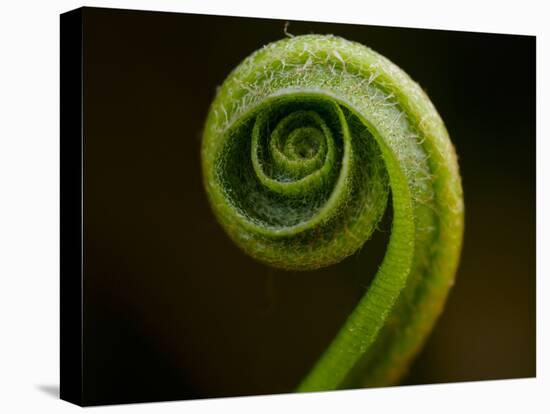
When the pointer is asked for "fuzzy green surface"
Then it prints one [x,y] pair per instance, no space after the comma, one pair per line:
[301,147]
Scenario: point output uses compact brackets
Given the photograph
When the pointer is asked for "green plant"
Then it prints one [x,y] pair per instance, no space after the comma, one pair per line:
[302,144]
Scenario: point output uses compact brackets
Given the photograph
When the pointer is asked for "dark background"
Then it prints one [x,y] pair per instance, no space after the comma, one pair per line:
[172,308]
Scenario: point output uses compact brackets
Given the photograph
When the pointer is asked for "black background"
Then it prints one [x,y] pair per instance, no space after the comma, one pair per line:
[173,310]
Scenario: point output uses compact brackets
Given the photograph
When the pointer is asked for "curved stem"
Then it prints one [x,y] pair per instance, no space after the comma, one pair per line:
[301,146]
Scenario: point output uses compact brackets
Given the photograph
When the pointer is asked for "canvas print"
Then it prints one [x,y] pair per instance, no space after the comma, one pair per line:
[259,206]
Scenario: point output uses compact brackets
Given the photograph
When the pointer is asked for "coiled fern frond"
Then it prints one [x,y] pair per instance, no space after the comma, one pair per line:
[304,144]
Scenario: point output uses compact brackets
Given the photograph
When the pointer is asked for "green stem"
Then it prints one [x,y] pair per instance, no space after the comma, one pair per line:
[301,147]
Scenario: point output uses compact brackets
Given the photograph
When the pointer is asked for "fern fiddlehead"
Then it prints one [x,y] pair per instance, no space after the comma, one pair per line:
[301,148]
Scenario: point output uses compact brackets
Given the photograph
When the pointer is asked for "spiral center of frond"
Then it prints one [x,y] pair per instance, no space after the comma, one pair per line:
[301,171]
